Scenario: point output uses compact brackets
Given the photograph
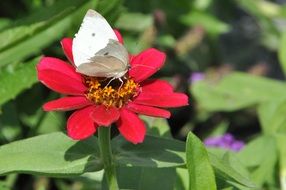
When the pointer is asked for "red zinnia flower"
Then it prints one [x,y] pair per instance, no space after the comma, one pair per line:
[100,105]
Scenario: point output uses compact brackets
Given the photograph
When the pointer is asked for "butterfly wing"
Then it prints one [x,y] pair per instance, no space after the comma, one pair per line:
[103,67]
[116,50]
[111,61]
[93,35]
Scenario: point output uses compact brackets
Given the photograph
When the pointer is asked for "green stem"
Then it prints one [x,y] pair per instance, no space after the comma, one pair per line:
[106,156]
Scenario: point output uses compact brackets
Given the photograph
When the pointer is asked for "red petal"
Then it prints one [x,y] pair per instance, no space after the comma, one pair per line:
[61,83]
[67,47]
[51,63]
[80,125]
[118,35]
[146,64]
[131,127]
[156,86]
[66,104]
[160,93]
[105,116]
[147,110]
[162,99]
[60,76]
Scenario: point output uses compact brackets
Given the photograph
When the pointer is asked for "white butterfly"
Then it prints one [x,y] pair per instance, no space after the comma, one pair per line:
[96,49]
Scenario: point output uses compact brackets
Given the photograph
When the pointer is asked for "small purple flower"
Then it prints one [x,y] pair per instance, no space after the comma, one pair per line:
[196,76]
[226,141]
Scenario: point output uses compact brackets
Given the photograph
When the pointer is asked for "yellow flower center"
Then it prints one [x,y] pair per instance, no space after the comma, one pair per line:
[111,94]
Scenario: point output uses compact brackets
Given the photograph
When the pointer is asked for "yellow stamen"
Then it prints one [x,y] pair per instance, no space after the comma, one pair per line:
[113,95]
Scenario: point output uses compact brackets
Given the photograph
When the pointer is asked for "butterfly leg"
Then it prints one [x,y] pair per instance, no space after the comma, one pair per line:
[112,79]
[120,79]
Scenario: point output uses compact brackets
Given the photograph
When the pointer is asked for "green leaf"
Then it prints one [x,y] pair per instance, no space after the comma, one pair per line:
[150,177]
[272,116]
[11,36]
[42,122]
[200,170]
[167,41]
[282,52]
[168,153]
[211,24]
[236,91]
[26,40]
[47,11]
[3,186]
[281,141]
[254,153]
[4,22]
[9,182]
[14,82]
[53,154]
[86,181]
[157,126]
[182,180]
[202,4]
[261,156]
[229,170]
[261,9]
[153,152]
[134,22]
[52,122]
[146,178]
[128,177]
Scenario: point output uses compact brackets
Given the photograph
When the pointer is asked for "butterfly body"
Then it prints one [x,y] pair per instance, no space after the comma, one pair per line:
[96,49]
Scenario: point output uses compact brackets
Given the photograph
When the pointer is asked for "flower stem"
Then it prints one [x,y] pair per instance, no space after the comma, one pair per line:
[106,157]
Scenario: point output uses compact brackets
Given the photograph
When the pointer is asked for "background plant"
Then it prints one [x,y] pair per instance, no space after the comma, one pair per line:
[239,46]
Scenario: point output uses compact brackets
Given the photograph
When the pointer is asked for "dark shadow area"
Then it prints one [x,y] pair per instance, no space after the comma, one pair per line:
[82,149]
[150,153]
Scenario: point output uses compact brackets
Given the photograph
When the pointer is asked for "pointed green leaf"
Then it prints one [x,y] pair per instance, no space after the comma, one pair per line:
[201,173]
[53,154]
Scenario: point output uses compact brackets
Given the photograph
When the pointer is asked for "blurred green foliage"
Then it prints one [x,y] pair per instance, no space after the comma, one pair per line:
[239,46]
